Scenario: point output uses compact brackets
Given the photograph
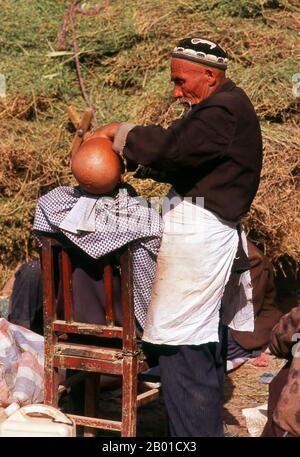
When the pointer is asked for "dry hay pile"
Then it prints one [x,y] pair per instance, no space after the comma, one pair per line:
[33,159]
[274,219]
[124,55]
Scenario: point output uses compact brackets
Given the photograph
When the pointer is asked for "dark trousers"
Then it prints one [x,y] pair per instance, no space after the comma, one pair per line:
[193,385]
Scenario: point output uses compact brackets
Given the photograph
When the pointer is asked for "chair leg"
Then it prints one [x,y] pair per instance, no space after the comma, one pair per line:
[129,396]
[51,382]
[92,383]
[51,378]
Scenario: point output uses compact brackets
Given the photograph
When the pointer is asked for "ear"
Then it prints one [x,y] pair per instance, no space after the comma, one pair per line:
[210,76]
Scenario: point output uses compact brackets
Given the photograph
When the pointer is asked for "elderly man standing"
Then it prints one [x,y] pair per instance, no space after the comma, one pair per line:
[214,152]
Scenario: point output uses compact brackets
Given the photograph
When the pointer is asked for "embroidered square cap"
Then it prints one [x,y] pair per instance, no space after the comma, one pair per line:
[201,50]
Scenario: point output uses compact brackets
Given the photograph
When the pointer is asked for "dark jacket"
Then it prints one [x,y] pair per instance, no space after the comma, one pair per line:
[214,152]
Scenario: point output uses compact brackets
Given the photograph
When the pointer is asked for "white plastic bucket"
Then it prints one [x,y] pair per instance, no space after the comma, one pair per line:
[38,420]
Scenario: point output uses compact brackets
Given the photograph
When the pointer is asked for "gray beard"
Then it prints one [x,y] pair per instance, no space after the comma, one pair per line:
[178,109]
[187,105]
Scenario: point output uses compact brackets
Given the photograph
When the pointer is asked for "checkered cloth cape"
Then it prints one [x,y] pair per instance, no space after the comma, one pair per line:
[118,221]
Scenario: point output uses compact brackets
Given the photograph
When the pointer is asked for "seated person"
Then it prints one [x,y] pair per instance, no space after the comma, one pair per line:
[245,345]
[284,390]
[99,217]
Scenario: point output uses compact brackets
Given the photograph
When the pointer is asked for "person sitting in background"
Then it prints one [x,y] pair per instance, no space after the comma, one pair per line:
[283,404]
[246,345]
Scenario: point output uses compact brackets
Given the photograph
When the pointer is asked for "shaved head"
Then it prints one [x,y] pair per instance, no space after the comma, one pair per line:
[96,167]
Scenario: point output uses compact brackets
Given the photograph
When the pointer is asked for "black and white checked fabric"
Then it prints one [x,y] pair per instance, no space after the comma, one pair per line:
[118,221]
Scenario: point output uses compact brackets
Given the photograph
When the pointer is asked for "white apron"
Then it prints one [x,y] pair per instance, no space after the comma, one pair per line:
[193,266]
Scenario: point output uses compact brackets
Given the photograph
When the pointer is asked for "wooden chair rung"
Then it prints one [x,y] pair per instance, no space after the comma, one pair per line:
[97,423]
[145,397]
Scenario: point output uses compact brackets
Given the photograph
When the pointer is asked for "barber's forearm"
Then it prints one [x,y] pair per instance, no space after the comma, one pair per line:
[151,146]
[142,172]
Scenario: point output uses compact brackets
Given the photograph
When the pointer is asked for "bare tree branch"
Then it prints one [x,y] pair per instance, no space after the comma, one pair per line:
[70,22]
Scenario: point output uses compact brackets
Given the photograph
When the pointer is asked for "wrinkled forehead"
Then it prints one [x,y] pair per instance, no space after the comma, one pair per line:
[180,67]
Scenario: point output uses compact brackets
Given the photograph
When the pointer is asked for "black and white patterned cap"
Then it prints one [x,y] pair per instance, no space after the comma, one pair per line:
[202,51]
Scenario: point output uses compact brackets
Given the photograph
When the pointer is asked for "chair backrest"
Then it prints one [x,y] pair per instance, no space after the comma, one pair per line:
[125,333]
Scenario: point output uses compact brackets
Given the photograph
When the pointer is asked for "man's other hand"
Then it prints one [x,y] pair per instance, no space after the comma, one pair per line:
[108,132]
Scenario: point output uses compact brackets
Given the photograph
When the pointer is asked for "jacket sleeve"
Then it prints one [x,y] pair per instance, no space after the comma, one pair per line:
[202,136]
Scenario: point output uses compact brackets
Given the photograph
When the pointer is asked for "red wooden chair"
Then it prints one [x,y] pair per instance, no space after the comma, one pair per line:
[126,360]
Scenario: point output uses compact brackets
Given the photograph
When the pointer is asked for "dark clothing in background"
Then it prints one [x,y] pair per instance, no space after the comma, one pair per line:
[214,152]
[284,401]
[283,406]
[88,294]
[266,310]
[276,386]
[235,351]
[282,340]
[88,289]
[26,304]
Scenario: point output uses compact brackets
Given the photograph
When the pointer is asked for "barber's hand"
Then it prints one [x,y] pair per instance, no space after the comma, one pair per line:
[108,132]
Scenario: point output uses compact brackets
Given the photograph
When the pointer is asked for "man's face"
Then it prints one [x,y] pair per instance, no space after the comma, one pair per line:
[191,80]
